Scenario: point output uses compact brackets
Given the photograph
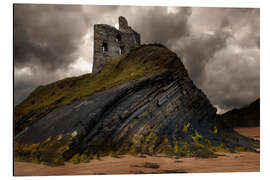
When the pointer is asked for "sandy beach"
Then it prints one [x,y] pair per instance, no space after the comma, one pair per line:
[226,162]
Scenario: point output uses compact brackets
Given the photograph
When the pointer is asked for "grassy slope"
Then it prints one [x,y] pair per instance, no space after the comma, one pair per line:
[140,62]
[118,71]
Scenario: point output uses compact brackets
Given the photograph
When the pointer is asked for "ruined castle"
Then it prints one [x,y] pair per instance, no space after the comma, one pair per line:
[110,42]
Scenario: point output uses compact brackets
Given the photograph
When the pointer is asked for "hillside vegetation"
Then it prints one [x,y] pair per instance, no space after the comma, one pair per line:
[130,67]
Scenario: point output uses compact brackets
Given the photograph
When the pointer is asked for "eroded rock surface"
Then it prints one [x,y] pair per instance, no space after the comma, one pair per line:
[159,113]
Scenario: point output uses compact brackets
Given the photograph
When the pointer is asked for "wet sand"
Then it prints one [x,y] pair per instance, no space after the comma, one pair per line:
[226,162]
[253,132]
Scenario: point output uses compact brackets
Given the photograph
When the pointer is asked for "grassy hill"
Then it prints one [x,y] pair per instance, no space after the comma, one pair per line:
[117,71]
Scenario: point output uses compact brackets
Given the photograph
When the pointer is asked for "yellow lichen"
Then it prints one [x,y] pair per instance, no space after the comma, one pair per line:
[197,137]
[215,130]
[75,159]
[186,126]
[176,148]
[49,151]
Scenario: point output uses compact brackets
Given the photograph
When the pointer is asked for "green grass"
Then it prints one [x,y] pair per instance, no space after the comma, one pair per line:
[117,71]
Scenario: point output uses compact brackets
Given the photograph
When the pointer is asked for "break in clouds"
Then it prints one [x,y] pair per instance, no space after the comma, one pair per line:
[220,47]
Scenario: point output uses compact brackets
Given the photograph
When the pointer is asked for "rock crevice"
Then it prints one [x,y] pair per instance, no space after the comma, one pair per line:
[159,113]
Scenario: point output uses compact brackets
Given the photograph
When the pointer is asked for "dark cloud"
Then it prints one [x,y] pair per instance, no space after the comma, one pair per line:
[219,46]
[47,35]
[47,39]
[22,88]
[222,56]
[159,26]
[199,50]
[233,80]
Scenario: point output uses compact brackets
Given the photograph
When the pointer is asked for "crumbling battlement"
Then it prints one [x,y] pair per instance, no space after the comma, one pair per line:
[110,42]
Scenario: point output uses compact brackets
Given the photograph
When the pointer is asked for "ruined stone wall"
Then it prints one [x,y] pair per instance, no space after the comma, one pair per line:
[104,34]
[110,43]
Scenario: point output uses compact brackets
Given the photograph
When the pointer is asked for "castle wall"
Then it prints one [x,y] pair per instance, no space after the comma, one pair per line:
[110,43]
[104,34]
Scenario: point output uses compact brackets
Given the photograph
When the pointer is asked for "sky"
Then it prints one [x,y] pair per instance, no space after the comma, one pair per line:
[220,47]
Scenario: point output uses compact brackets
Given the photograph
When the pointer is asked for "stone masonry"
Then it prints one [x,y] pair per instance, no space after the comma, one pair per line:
[110,43]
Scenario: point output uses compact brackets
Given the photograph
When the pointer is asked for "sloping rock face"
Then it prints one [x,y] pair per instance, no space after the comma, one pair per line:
[162,112]
[243,117]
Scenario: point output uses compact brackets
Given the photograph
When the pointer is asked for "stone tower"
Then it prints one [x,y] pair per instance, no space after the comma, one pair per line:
[110,42]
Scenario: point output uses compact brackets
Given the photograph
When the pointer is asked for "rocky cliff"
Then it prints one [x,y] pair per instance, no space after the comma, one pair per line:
[243,117]
[142,103]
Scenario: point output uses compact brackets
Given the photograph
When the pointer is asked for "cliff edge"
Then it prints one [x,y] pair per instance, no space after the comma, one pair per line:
[141,103]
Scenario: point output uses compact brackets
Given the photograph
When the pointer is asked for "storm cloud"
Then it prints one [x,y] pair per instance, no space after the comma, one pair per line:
[219,46]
